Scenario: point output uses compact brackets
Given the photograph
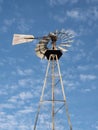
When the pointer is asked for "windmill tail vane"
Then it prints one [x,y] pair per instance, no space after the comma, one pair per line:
[20,38]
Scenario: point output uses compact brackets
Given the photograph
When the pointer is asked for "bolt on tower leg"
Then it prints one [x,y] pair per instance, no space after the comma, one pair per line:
[53,79]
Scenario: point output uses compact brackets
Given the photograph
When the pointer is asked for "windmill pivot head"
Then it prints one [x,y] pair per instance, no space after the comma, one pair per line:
[53,37]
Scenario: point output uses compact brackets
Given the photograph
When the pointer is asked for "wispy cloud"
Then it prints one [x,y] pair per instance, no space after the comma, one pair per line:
[7,23]
[89,89]
[85,77]
[26,110]
[7,106]
[73,14]
[21,96]
[71,85]
[24,25]
[27,82]
[2,92]
[95,125]
[1,1]
[24,72]
[83,68]
[91,1]
[25,95]
[56,2]
[90,14]
[19,101]
[14,121]
[61,2]
[59,18]
[87,16]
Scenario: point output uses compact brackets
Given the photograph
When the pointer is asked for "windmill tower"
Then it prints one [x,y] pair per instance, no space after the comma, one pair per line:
[52,108]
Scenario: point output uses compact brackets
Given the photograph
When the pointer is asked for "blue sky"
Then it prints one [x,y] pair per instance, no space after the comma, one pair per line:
[22,73]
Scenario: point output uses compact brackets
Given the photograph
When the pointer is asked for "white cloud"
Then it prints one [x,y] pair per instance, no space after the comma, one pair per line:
[1,64]
[73,14]
[24,127]
[95,125]
[14,121]
[22,82]
[87,67]
[26,82]
[90,14]
[7,106]
[70,85]
[1,1]
[90,89]
[26,110]
[19,101]
[87,16]
[21,96]
[77,14]
[56,2]
[3,92]
[83,68]
[91,1]
[23,25]
[24,72]
[85,77]
[25,95]
[86,90]
[60,19]
[61,2]
[74,1]
[80,55]
[13,99]
[7,23]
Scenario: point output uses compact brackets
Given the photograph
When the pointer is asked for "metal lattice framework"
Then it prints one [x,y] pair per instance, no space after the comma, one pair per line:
[53,99]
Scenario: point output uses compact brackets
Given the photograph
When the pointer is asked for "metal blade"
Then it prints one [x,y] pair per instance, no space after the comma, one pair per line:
[67,41]
[20,38]
[70,37]
[41,47]
[65,44]
[62,49]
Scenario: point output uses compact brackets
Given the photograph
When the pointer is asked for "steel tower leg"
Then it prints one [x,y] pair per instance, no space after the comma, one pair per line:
[41,98]
[53,68]
[53,84]
[62,86]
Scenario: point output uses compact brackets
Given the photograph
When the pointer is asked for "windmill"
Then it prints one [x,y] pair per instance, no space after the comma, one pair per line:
[53,98]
